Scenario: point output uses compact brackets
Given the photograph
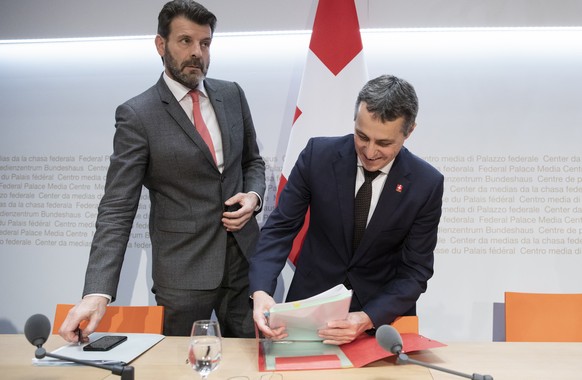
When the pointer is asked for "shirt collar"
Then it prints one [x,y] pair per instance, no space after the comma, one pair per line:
[179,90]
[384,170]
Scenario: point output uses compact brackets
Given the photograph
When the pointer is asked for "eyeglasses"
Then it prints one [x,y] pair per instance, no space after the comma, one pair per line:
[267,376]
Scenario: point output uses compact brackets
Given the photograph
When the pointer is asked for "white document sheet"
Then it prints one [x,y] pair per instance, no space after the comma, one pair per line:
[126,352]
[303,318]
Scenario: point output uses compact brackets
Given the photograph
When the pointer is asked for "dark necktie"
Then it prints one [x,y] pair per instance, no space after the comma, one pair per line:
[199,122]
[362,206]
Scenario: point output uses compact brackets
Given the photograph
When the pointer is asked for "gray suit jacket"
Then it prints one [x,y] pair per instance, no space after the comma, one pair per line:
[156,145]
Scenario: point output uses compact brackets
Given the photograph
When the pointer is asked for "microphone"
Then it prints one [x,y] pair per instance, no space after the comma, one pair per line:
[389,339]
[37,330]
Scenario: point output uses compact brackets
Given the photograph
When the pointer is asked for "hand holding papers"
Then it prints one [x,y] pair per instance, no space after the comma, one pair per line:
[293,355]
[303,318]
[303,349]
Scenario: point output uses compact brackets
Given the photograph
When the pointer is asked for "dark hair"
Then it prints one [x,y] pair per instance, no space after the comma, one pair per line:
[388,98]
[192,10]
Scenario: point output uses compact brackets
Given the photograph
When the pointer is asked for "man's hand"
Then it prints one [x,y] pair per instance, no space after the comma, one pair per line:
[92,309]
[235,220]
[345,331]
[262,302]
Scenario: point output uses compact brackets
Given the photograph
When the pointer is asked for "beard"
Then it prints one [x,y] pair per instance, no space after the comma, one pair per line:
[189,80]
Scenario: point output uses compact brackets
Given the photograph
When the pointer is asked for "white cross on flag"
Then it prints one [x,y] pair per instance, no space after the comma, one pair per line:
[334,73]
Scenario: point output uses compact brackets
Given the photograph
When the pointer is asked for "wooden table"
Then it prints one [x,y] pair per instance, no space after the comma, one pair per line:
[167,360]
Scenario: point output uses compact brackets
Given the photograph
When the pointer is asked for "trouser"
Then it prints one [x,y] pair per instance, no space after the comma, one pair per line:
[230,301]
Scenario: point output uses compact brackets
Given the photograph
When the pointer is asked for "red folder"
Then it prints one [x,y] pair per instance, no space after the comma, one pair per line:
[282,356]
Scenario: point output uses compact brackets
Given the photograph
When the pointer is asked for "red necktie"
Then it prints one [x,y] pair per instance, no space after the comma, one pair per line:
[199,122]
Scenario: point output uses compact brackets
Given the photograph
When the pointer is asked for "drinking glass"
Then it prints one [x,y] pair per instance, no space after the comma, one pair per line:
[205,347]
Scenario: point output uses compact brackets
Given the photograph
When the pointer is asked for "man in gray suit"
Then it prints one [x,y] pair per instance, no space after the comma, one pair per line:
[204,194]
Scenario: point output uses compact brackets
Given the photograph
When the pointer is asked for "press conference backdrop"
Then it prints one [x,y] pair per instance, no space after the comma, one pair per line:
[500,116]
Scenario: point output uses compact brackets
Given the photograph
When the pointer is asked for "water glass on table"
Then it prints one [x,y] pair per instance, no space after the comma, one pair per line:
[205,347]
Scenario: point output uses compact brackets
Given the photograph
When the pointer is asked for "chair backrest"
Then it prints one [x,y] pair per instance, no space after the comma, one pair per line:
[128,319]
[406,324]
[542,317]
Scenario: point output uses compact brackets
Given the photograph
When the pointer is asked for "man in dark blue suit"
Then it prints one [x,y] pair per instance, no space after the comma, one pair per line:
[389,268]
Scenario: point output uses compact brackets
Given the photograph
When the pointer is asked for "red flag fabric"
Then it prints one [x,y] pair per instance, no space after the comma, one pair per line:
[334,73]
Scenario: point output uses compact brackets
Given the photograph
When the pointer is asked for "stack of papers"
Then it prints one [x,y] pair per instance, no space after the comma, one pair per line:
[303,318]
[303,349]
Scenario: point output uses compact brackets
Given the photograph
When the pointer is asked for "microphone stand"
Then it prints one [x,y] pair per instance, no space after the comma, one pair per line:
[403,358]
[126,372]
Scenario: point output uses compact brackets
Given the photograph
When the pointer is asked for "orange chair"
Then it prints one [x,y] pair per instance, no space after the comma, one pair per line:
[127,319]
[406,324]
[539,317]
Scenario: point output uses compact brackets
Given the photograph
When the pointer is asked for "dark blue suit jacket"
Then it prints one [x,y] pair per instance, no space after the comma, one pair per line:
[394,261]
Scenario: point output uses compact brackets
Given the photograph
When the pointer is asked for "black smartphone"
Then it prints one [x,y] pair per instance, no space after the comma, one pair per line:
[105,343]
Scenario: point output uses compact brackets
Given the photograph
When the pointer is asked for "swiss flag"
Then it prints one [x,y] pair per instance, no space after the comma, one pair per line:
[334,73]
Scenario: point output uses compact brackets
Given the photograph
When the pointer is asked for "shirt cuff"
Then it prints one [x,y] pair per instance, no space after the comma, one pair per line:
[260,205]
[100,294]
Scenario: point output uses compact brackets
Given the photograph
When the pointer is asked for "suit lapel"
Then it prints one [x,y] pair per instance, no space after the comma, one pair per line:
[217,102]
[344,169]
[177,113]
